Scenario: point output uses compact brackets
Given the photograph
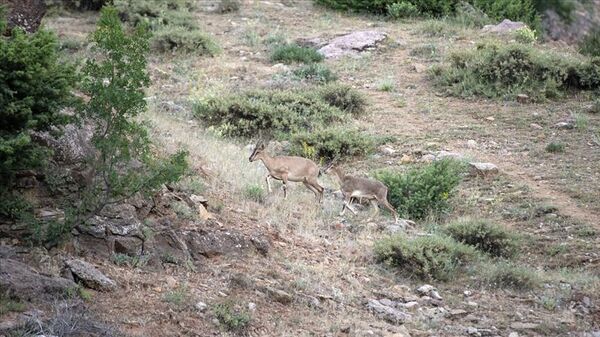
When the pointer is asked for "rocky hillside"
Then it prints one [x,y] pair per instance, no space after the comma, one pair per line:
[496,184]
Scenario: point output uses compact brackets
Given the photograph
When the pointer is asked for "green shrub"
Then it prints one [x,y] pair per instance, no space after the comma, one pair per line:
[554,147]
[291,52]
[9,304]
[175,38]
[402,9]
[494,70]
[278,112]
[331,143]
[428,51]
[254,192]
[231,316]
[34,87]
[483,235]
[590,45]
[515,10]
[179,296]
[228,6]
[422,191]
[509,275]
[315,72]
[437,28]
[525,35]
[470,16]
[427,257]
[386,85]
[343,97]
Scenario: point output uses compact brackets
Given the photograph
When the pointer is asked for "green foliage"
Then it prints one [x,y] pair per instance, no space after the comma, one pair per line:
[554,147]
[386,85]
[402,9]
[34,87]
[509,275]
[254,192]
[564,8]
[525,35]
[484,236]
[343,97]
[228,6]
[176,38]
[179,296]
[506,70]
[590,45]
[9,304]
[273,112]
[330,143]
[231,316]
[428,51]
[315,72]
[291,52]
[427,257]
[515,10]
[137,261]
[470,16]
[422,191]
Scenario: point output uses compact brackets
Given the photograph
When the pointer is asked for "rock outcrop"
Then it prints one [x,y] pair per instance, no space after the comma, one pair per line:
[26,14]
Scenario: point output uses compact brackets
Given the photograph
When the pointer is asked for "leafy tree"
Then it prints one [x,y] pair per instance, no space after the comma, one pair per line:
[34,87]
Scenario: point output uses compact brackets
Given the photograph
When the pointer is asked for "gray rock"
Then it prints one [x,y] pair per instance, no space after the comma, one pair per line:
[387,302]
[387,313]
[536,126]
[425,289]
[352,44]
[448,155]
[201,306]
[387,150]
[26,14]
[89,276]
[513,334]
[279,295]
[564,125]
[472,144]
[25,283]
[131,246]
[210,243]
[483,169]
[471,331]
[505,27]
[523,326]
[73,146]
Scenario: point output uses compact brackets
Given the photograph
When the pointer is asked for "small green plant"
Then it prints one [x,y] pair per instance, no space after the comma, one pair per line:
[581,122]
[484,235]
[291,52]
[251,38]
[228,6]
[549,303]
[402,9]
[180,39]
[231,316]
[422,191]
[437,28]
[525,35]
[590,45]
[470,16]
[427,51]
[183,210]
[9,304]
[557,249]
[554,147]
[169,258]
[429,257]
[343,97]
[254,192]
[179,296]
[386,85]
[330,143]
[509,275]
[192,184]
[586,232]
[137,261]
[315,72]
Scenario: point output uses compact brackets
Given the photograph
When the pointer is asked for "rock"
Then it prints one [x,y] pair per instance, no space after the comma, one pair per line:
[419,68]
[483,169]
[279,67]
[394,229]
[586,301]
[210,243]
[252,306]
[89,276]
[401,331]
[201,306]
[25,283]
[74,145]
[472,144]
[523,326]
[513,334]
[471,331]
[411,305]
[505,27]
[472,304]
[261,244]
[457,312]
[387,150]
[434,294]
[387,302]
[564,125]
[467,293]
[387,313]
[448,155]
[198,199]
[314,42]
[428,158]
[279,295]
[26,14]
[536,126]
[131,246]
[490,118]
[406,159]
[522,98]
[425,289]
[352,44]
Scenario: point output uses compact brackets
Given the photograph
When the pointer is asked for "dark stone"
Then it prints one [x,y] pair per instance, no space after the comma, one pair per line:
[24,283]
[26,14]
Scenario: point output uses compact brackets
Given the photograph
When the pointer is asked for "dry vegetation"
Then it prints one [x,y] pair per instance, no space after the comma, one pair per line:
[547,198]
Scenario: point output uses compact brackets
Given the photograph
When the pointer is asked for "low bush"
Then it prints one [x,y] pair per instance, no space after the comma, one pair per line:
[590,45]
[554,147]
[343,97]
[254,192]
[277,112]
[427,257]
[174,38]
[508,275]
[291,52]
[423,191]
[427,51]
[231,316]
[484,236]
[402,9]
[525,35]
[467,15]
[331,143]
[494,70]
[228,6]
[314,72]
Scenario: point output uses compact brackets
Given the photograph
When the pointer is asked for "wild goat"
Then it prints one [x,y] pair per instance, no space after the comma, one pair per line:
[289,168]
[356,187]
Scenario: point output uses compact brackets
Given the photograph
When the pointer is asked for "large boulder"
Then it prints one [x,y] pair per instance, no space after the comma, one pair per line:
[86,274]
[505,27]
[26,14]
[23,282]
[352,43]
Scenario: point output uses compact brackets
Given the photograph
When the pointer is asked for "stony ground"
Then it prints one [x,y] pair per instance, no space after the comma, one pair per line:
[319,277]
